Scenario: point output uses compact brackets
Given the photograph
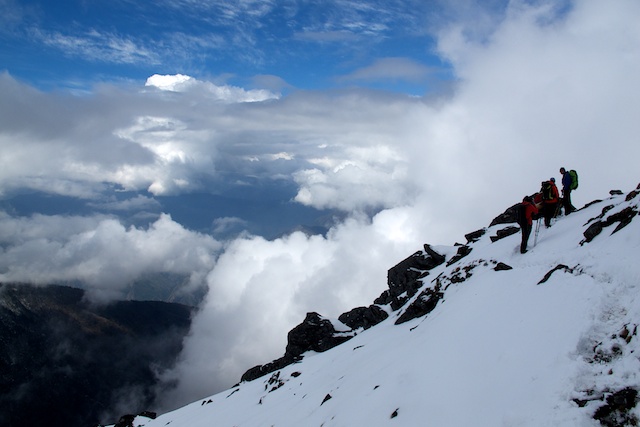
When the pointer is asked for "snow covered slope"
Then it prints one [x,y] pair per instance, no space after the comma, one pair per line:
[544,343]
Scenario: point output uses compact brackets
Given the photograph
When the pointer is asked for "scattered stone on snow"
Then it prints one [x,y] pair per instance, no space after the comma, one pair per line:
[475,235]
[556,268]
[421,306]
[505,232]
[463,251]
[501,266]
[617,411]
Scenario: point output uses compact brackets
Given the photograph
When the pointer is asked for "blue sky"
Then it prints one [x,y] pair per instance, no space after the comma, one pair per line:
[309,144]
[306,44]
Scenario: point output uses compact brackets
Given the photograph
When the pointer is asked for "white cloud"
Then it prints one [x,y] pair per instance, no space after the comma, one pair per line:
[363,177]
[226,93]
[100,252]
[170,82]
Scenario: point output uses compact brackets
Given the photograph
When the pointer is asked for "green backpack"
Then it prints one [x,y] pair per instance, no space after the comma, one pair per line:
[574,179]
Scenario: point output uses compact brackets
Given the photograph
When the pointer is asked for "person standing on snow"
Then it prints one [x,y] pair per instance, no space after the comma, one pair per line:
[528,210]
[550,199]
[567,181]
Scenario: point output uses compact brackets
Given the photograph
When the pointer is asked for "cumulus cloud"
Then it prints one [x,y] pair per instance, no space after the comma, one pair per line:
[100,252]
[182,83]
[377,176]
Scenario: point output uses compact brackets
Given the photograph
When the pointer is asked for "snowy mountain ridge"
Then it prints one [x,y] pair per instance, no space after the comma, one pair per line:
[487,337]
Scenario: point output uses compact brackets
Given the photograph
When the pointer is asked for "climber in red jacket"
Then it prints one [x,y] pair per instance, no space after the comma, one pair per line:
[550,200]
[528,210]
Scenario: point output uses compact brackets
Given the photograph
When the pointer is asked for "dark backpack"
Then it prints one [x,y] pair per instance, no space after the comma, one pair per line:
[574,179]
[546,190]
[521,217]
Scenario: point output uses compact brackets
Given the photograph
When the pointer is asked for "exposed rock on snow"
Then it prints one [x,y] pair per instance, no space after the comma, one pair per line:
[616,412]
[313,334]
[505,232]
[363,317]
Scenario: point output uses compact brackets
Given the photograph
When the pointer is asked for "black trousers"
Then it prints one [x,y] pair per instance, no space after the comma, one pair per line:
[549,211]
[526,232]
[566,202]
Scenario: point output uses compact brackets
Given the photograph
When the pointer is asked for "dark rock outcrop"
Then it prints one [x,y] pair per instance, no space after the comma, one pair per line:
[623,218]
[313,334]
[505,232]
[403,279]
[617,411]
[463,251]
[633,194]
[363,317]
[262,370]
[593,230]
[475,235]
[509,216]
[421,306]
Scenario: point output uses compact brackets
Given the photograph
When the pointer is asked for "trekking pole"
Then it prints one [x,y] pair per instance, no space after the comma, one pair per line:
[535,239]
[558,207]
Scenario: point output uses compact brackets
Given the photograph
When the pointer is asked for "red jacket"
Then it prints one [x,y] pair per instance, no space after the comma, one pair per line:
[529,210]
[555,196]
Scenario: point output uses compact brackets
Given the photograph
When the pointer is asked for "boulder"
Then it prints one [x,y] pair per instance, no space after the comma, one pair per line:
[313,334]
[501,234]
[363,317]
[507,217]
[403,279]
[463,251]
[623,218]
[618,409]
[475,235]
[423,305]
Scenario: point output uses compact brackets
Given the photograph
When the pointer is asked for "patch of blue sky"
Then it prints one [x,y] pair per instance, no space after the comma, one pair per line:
[308,44]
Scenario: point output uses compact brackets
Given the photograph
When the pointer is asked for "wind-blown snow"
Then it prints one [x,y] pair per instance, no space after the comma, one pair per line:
[500,348]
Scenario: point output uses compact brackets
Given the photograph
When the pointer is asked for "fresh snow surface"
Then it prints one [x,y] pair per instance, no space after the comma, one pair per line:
[499,349]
